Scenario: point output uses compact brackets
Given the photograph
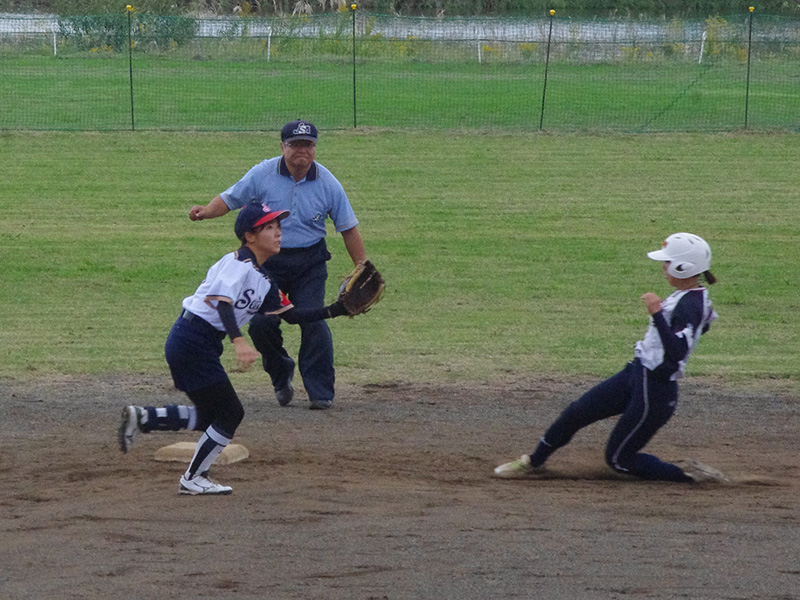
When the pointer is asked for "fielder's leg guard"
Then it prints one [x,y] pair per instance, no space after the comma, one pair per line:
[169,418]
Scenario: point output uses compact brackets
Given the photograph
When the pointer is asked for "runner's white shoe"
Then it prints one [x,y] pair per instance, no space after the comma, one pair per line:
[202,485]
[517,469]
[130,426]
[700,473]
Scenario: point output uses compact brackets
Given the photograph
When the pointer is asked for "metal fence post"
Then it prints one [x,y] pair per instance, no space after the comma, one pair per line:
[353,9]
[546,67]
[749,52]
[129,8]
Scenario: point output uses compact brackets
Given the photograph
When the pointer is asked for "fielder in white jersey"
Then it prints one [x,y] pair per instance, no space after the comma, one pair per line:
[645,392]
[235,289]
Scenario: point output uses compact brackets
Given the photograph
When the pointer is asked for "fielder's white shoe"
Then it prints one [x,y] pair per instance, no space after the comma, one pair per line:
[517,469]
[700,473]
[202,485]
[130,426]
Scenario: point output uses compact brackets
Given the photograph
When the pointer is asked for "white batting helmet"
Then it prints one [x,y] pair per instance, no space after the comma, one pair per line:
[688,255]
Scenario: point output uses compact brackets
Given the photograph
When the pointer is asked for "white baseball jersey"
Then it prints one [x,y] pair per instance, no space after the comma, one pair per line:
[234,278]
[688,314]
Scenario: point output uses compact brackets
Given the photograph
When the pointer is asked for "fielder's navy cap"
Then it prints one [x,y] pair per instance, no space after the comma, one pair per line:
[299,130]
[255,214]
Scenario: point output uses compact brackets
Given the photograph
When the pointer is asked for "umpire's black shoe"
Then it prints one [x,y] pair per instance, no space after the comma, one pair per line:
[285,395]
[284,391]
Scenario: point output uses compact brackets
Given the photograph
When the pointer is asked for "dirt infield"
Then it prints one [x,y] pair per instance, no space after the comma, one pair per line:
[389,496]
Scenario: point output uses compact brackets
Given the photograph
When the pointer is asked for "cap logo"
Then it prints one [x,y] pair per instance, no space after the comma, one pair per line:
[302,129]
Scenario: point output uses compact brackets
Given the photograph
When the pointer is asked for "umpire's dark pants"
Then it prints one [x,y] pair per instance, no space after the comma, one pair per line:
[301,273]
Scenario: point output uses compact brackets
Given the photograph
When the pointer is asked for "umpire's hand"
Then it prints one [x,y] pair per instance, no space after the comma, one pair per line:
[197,213]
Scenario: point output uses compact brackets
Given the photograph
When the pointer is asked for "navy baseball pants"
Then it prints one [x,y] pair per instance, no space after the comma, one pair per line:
[193,349]
[645,404]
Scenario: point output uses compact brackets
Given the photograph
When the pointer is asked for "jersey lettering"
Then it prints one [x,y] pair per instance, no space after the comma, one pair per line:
[248,301]
[245,299]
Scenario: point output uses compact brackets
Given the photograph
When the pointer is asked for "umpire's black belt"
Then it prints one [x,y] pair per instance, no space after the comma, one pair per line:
[315,247]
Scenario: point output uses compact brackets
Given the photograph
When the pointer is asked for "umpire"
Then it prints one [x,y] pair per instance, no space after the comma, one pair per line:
[294,181]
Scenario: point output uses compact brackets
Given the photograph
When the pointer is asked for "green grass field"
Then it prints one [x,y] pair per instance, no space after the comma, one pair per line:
[172,93]
[505,255]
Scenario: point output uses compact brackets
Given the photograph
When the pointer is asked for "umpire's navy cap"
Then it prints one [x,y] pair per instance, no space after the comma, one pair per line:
[255,214]
[299,130]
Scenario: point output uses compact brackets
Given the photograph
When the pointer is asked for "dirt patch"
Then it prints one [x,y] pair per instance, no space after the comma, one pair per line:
[390,495]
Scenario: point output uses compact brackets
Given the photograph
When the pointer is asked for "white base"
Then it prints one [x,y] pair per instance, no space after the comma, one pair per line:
[183,452]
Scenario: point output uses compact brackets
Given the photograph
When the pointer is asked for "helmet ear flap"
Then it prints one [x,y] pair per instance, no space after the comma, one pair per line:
[679,269]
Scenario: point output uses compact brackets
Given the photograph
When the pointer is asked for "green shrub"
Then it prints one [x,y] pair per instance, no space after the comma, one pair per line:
[164,31]
[96,31]
[110,31]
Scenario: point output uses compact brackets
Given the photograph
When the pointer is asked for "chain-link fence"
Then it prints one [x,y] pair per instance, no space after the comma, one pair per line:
[354,69]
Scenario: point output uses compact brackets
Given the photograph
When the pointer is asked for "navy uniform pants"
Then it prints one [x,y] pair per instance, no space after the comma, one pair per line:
[193,349]
[301,273]
[644,404]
